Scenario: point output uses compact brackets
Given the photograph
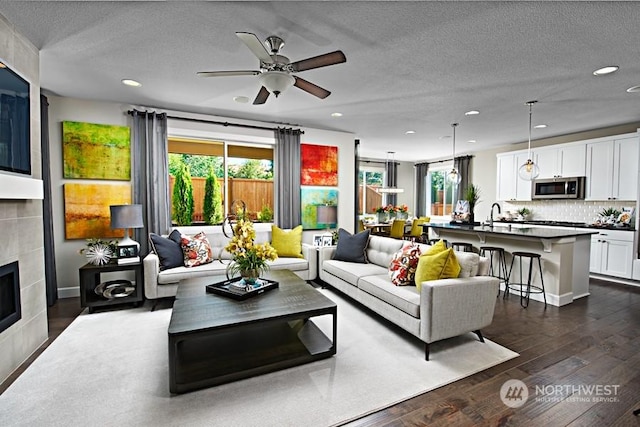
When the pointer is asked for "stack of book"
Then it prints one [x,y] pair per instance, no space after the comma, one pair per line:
[240,287]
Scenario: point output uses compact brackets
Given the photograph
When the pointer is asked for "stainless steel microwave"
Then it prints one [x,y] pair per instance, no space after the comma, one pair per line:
[558,188]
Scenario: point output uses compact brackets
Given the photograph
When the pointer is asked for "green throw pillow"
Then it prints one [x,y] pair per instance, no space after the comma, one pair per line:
[442,265]
[287,243]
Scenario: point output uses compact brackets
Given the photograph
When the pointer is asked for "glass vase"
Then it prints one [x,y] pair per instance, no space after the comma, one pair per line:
[250,276]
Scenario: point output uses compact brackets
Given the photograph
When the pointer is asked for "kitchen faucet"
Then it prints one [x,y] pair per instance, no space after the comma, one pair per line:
[491,216]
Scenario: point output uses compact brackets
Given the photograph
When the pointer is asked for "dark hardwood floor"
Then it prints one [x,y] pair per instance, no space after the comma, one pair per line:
[594,341]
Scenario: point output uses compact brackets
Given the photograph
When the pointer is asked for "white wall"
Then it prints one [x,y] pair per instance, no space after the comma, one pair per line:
[68,260]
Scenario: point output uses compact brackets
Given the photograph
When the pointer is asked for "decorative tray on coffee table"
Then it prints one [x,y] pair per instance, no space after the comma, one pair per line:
[229,288]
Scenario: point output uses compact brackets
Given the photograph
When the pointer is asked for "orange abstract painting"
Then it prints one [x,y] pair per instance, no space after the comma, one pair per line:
[86,209]
[319,165]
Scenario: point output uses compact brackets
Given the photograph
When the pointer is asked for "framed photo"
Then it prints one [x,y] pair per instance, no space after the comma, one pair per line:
[327,240]
[127,251]
[317,240]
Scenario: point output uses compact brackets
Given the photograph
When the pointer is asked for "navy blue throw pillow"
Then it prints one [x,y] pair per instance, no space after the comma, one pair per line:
[351,247]
[168,250]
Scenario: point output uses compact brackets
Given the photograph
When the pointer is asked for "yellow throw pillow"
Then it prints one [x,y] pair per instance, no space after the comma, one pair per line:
[434,249]
[287,243]
[442,265]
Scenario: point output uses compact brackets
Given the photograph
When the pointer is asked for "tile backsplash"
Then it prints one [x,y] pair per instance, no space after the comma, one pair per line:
[566,210]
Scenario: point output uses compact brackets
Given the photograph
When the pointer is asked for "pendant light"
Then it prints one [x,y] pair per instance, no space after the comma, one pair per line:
[529,170]
[454,176]
[391,188]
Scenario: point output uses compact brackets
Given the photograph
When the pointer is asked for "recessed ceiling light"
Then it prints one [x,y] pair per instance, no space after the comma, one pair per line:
[410,132]
[541,126]
[634,89]
[241,99]
[336,114]
[131,83]
[472,113]
[471,141]
[606,70]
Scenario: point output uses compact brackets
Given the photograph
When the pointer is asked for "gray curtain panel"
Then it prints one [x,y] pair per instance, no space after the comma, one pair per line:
[287,178]
[422,186]
[150,174]
[462,165]
[392,181]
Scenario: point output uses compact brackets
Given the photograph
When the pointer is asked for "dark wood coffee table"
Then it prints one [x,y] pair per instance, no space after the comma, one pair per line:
[215,340]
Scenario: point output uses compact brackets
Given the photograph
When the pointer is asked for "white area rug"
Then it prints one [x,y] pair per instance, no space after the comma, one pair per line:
[111,369]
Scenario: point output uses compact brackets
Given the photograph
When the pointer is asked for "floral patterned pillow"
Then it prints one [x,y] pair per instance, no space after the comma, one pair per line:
[196,249]
[402,268]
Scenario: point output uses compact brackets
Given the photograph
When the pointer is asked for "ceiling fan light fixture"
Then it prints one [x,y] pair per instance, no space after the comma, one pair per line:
[276,82]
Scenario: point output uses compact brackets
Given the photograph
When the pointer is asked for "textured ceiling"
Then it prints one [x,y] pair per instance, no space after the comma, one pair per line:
[410,65]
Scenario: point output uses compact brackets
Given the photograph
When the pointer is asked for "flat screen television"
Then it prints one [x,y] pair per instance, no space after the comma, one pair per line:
[15,135]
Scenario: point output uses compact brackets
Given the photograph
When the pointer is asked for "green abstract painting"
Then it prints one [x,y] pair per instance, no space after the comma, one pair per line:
[95,151]
[310,198]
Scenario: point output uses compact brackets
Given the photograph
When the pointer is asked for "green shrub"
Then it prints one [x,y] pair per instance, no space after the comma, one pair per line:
[183,204]
[212,199]
[266,214]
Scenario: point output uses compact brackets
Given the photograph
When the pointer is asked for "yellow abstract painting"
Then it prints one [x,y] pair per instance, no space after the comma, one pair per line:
[86,209]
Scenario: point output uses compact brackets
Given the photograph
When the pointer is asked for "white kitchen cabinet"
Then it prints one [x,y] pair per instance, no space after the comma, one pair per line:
[612,253]
[612,170]
[510,187]
[565,161]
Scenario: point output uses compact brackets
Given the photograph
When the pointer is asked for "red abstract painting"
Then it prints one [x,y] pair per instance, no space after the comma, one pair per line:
[319,165]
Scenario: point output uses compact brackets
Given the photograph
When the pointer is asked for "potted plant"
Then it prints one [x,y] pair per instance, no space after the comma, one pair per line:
[524,213]
[472,196]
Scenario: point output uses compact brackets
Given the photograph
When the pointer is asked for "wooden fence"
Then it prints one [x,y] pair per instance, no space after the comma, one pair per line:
[374,199]
[256,193]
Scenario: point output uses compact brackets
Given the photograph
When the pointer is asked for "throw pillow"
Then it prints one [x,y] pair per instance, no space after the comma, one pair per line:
[351,247]
[196,250]
[168,249]
[402,269]
[434,249]
[287,243]
[442,265]
[468,263]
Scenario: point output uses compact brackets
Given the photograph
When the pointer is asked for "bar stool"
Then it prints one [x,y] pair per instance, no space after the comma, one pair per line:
[462,246]
[524,298]
[500,271]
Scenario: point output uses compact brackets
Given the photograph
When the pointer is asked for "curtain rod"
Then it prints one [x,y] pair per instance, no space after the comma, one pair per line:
[443,160]
[225,124]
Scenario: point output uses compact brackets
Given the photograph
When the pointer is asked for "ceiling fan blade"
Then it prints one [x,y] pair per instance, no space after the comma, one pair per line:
[262,96]
[311,88]
[227,73]
[325,60]
[255,45]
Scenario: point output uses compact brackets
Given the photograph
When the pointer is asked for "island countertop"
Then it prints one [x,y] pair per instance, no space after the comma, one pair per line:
[507,231]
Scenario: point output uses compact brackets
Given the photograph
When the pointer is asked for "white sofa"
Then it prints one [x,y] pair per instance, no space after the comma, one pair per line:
[443,308]
[164,283]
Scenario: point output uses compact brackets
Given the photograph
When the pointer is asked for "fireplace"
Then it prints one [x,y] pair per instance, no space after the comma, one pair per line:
[10,311]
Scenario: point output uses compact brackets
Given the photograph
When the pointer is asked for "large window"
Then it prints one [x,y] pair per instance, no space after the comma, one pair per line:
[244,172]
[440,192]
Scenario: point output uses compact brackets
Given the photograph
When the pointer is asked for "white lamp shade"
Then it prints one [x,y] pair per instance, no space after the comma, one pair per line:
[276,82]
[528,170]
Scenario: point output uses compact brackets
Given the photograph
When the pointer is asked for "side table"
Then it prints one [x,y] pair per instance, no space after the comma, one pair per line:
[90,280]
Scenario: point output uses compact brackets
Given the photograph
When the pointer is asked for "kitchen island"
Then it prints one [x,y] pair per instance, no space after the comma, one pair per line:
[564,254]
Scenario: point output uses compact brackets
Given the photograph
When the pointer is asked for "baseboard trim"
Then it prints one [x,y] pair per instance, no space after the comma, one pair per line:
[71,292]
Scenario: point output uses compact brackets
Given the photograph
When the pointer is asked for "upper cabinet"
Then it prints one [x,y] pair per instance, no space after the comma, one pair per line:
[510,187]
[612,169]
[563,161]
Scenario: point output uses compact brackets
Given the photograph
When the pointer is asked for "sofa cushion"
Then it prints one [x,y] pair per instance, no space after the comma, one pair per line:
[351,247]
[468,263]
[442,265]
[380,250]
[351,272]
[405,298]
[402,269]
[293,264]
[196,250]
[175,275]
[168,249]
[287,243]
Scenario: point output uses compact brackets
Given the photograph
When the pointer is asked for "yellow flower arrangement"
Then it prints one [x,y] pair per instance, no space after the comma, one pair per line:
[249,258]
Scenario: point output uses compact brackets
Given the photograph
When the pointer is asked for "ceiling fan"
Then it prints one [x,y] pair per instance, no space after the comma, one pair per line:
[275,69]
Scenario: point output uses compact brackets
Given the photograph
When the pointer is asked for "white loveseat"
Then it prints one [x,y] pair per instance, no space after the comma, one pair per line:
[442,309]
[164,283]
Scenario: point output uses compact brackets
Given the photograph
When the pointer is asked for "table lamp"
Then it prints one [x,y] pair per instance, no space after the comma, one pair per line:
[127,216]
[327,215]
